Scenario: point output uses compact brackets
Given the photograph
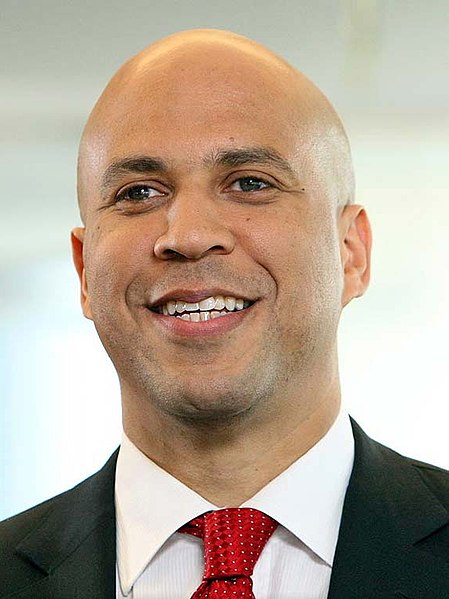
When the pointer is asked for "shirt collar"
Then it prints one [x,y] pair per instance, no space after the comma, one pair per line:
[307,499]
[151,505]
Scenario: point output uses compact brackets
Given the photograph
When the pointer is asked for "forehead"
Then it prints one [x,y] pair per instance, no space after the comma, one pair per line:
[186,110]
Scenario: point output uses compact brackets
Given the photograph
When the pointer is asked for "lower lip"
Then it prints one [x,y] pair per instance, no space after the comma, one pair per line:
[203,328]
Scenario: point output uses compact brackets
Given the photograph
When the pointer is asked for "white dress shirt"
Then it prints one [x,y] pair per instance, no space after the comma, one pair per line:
[156,562]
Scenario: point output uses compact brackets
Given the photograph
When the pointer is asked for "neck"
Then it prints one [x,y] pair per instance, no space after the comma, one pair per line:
[229,463]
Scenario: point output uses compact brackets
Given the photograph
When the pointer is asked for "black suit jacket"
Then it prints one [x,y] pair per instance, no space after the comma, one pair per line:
[393,541]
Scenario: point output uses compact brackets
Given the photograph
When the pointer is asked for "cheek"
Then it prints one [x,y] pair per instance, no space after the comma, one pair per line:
[300,251]
[113,258]
[269,236]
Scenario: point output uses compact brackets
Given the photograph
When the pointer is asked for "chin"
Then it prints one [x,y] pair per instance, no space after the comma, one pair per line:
[216,413]
[211,399]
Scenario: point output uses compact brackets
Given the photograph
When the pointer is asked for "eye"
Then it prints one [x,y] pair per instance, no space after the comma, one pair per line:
[138,193]
[248,184]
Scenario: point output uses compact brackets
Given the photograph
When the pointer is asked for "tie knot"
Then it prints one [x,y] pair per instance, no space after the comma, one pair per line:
[233,540]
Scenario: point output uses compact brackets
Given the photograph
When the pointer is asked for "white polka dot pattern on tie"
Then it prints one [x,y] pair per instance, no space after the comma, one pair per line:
[233,541]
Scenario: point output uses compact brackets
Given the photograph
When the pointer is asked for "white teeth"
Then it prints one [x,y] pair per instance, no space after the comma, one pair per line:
[219,302]
[192,307]
[230,303]
[180,306]
[210,305]
[201,316]
[217,314]
[207,304]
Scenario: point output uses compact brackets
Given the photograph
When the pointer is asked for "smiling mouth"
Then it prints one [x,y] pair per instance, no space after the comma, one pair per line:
[206,309]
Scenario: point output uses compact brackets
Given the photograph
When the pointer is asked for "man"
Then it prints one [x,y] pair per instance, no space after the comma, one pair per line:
[220,243]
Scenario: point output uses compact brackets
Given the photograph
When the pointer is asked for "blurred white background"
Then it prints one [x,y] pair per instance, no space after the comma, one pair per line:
[383,63]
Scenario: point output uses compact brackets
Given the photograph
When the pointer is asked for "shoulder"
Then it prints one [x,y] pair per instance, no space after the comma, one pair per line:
[16,527]
[383,467]
[39,534]
[394,531]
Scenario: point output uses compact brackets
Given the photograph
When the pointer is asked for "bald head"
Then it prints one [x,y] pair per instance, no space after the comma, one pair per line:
[195,74]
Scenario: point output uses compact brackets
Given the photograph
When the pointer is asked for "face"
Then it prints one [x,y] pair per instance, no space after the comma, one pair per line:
[202,198]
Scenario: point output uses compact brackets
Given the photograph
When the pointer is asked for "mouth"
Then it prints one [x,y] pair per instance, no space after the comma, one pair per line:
[208,308]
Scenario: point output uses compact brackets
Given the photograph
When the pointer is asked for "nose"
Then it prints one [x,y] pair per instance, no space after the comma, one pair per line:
[194,230]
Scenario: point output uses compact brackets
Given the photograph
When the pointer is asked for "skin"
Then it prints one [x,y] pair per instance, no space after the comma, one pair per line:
[225,412]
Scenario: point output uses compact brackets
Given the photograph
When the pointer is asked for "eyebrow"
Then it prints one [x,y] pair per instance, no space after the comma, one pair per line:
[225,158]
[243,156]
[134,164]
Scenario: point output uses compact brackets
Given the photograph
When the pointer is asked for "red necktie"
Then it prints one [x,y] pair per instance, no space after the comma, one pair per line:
[233,541]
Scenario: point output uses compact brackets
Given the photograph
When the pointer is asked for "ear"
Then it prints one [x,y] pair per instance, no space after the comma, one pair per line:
[77,239]
[355,251]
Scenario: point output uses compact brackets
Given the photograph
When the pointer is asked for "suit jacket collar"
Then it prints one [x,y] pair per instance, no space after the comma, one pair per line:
[393,526]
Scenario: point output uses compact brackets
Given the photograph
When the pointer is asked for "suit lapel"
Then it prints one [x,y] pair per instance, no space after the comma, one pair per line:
[74,546]
[393,539]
